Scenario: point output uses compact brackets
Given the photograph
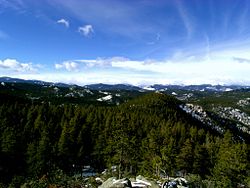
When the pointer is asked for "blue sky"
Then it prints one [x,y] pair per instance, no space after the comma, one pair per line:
[126,41]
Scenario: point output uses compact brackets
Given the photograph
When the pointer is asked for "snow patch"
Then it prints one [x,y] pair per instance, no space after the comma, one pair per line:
[106,98]
[149,88]
[88,91]
[56,89]
[104,92]
[165,89]
[228,89]
[244,102]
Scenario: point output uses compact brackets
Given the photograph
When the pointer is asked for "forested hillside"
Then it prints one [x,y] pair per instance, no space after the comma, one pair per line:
[149,135]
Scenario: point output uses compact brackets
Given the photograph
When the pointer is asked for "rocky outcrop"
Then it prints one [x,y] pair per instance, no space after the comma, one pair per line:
[139,182]
[113,183]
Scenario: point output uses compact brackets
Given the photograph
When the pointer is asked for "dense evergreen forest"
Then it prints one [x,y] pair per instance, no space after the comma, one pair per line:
[149,135]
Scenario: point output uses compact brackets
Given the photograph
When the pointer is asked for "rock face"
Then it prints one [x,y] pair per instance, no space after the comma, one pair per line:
[139,182]
[143,182]
[113,183]
[175,183]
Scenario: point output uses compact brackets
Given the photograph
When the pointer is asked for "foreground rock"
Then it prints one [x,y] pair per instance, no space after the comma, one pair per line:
[175,183]
[143,182]
[139,182]
[113,183]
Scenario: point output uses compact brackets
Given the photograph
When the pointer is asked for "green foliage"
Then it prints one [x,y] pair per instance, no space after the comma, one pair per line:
[9,141]
[16,181]
[149,135]
[194,181]
[231,166]
[201,161]
[247,181]
[185,158]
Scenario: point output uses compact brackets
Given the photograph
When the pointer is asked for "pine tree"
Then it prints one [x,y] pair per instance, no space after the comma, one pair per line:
[185,158]
[168,155]
[231,166]
[9,141]
[201,161]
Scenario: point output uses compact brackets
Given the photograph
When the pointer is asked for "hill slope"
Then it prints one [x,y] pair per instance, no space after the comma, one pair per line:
[146,135]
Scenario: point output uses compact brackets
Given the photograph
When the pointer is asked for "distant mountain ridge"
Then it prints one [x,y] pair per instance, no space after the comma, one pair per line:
[208,104]
[112,87]
[18,80]
[155,87]
[39,82]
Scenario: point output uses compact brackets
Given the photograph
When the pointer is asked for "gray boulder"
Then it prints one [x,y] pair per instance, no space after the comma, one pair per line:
[113,183]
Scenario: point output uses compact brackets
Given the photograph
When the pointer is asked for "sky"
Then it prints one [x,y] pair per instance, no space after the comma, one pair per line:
[139,42]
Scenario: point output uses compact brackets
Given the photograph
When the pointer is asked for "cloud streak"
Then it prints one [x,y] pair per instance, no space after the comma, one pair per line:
[121,18]
[86,30]
[17,5]
[63,22]
[184,15]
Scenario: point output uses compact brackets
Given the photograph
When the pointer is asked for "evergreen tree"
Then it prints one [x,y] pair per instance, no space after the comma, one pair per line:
[168,153]
[185,158]
[201,161]
[9,141]
[231,166]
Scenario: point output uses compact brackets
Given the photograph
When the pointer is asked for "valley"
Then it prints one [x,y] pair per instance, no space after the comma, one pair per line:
[49,128]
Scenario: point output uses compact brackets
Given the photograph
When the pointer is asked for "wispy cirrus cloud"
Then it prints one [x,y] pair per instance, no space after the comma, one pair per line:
[16,5]
[63,22]
[14,65]
[184,15]
[121,18]
[86,30]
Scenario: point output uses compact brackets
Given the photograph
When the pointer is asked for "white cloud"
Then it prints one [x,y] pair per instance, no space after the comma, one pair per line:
[86,30]
[220,68]
[68,65]
[64,22]
[16,66]
[100,62]
[189,66]
[216,70]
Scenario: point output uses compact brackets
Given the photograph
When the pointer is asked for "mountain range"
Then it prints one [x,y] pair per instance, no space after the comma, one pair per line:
[69,126]
[207,103]
[155,87]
